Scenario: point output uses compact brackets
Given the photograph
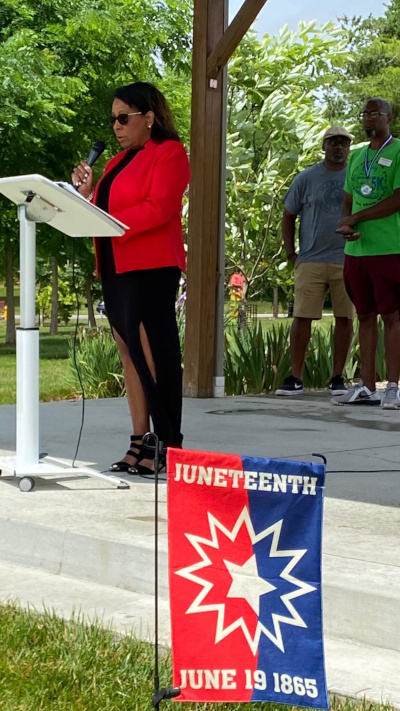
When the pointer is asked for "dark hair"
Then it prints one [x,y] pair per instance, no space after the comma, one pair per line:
[384,104]
[145,97]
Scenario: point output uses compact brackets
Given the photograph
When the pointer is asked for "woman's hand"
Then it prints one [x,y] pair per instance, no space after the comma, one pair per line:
[82,179]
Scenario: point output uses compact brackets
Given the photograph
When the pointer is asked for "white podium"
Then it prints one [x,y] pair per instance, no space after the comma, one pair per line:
[59,205]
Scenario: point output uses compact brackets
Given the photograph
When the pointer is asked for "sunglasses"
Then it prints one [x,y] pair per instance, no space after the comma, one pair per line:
[338,141]
[373,114]
[123,118]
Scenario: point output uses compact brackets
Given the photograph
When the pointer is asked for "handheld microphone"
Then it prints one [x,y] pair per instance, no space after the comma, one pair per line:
[95,152]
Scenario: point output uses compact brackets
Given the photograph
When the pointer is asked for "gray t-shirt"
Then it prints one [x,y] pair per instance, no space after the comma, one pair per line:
[317,195]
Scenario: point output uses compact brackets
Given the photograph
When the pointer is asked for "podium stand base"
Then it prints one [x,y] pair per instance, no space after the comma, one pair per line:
[50,466]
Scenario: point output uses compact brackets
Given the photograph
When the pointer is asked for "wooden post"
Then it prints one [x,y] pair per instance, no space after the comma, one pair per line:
[232,36]
[204,202]
[212,47]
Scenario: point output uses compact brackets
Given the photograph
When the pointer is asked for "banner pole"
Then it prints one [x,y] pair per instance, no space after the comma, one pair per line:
[156,667]
[151,441]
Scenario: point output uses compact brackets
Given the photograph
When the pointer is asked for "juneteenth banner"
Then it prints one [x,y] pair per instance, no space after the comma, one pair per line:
[245,578]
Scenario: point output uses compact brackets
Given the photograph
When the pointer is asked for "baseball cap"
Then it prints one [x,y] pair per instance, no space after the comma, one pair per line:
[336,131]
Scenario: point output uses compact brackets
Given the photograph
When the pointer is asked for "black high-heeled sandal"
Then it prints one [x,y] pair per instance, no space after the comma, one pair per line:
[123,466]
[141,469]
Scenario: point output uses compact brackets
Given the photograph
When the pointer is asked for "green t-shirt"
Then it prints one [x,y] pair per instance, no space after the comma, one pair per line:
[377,236]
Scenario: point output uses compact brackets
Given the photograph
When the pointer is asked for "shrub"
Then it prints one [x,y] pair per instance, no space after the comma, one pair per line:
[66,301]
[100,368]
[257,361]
[244,360]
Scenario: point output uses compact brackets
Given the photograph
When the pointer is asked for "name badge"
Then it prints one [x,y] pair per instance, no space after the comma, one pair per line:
[385,161]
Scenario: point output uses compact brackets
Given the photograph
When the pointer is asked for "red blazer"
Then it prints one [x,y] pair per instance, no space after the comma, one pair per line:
[147,196]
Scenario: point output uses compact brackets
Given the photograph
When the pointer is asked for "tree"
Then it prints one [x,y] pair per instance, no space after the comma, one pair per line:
[8,250]
[374,44]
[275,125]
[60,61]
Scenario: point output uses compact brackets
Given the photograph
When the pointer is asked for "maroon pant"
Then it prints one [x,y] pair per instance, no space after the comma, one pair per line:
[373,283]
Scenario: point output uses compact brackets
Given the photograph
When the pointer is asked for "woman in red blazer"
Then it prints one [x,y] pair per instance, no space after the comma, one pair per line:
[143,186]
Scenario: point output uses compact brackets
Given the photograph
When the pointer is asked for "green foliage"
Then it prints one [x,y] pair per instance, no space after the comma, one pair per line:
[49,664]
[374,70]
[181,321]
[97,358]
[66,301]
[100,369]
[53,365]
[245,359]
[277,354]
[256,362]
[60,62]
[275,126]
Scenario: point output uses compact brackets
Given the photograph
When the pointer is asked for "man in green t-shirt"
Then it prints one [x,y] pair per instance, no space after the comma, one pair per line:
[371,226]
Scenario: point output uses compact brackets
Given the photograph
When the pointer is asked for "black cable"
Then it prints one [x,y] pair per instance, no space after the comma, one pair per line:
[151,441]
[350,471]
[362,471]
[156,670]
[78,372]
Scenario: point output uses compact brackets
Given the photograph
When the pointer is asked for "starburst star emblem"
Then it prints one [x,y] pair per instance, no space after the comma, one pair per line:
[246,582]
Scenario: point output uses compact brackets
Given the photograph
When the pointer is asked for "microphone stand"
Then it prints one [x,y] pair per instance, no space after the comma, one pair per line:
[152,441]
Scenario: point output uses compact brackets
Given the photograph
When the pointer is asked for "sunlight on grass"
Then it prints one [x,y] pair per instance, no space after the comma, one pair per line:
[53,368]
[56,382]
[49,664]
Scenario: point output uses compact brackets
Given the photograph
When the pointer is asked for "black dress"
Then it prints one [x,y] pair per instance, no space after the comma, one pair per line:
[146,296]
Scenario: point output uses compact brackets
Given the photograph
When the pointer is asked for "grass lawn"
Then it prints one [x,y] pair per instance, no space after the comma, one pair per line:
[267,323]
[3,295]
[53,367]
[47,664]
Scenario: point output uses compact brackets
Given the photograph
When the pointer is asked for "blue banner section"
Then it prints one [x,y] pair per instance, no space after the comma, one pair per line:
[285,504]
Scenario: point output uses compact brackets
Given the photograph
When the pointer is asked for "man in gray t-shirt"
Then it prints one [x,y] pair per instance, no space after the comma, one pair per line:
[316,196]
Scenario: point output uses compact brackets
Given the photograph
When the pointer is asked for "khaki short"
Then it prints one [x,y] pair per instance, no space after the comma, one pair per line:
[311,282]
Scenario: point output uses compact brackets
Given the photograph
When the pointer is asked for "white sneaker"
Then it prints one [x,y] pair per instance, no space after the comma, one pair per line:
[391,398]
[358,395]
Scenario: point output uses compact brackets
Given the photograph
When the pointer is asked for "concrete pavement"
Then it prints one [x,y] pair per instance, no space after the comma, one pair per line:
[78,543]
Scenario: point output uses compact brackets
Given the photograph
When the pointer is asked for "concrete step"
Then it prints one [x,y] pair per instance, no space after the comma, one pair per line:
[361,599]
[86,531]
[355,670]
[124,611]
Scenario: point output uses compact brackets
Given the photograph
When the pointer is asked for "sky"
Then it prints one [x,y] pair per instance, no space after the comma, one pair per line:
[277,13]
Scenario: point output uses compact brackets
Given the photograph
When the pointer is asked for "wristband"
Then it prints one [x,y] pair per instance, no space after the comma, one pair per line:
[292,254]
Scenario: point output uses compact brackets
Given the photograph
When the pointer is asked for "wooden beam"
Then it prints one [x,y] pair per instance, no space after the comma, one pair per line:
[213,44]
[232,36]
[204,203]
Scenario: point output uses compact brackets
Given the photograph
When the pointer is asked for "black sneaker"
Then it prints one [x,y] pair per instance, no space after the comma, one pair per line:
[291,386]
[337,386]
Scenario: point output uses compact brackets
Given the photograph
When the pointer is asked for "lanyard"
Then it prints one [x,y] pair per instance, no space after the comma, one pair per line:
[368,165]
